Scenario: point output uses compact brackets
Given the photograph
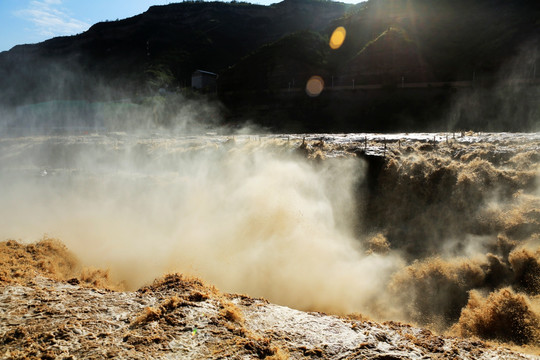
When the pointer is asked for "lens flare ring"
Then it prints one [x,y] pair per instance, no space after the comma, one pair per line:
[314,86]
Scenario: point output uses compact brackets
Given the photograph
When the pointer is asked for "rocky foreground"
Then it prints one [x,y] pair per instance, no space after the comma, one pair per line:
[181,318]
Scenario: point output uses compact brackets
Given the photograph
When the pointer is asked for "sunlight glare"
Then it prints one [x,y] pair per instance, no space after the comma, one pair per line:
[337,38]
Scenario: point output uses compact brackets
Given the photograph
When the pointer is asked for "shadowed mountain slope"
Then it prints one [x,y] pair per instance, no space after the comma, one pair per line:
[159,48]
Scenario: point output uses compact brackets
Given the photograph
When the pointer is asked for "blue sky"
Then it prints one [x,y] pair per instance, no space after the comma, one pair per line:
[32,21]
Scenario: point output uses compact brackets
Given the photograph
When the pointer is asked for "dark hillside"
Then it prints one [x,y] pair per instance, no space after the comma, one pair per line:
[428,40]
[463,54]
[159,48]
[288,62]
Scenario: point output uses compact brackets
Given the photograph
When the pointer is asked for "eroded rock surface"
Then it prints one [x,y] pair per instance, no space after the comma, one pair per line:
[181,318]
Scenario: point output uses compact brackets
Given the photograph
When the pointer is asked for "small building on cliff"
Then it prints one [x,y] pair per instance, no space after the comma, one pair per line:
[204,80]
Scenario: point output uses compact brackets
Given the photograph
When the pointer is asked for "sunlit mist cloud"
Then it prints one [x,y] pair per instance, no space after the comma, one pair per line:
[51,19]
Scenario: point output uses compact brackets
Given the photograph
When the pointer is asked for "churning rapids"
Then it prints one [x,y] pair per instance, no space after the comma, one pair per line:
[438,229]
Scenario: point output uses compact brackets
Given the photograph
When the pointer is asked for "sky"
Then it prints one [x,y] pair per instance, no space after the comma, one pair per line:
[33,21]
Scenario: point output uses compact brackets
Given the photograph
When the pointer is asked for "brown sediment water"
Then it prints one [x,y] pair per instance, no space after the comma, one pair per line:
[20,263]
[49,257]
[503,315]
[406,227]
